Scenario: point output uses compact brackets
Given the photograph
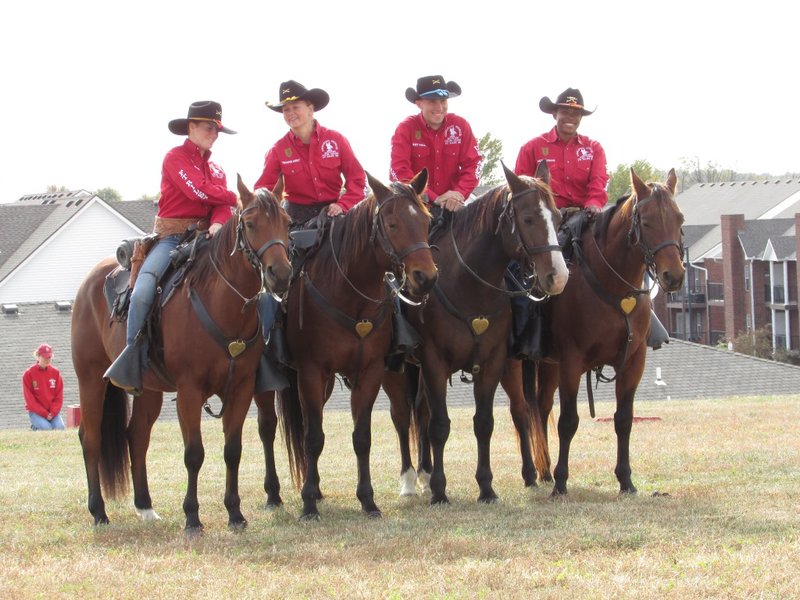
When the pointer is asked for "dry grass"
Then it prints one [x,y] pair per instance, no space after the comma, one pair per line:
[728,528]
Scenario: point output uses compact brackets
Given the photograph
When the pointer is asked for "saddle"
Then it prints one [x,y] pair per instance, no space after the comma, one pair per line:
[305,239]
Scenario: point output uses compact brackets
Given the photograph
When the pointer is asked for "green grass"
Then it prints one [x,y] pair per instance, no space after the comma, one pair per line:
[728,526]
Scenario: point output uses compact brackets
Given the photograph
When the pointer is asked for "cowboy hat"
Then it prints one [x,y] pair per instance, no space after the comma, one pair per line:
[291,91]
[205,110]
[433,87]
[569,98]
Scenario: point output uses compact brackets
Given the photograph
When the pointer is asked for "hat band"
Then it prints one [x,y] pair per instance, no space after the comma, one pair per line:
[437,92]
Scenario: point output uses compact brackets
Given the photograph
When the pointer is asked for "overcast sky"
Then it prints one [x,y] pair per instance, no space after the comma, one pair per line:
[90,86]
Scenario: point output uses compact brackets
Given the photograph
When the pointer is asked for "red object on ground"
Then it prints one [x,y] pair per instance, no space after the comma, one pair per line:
[73,415]
[635,419]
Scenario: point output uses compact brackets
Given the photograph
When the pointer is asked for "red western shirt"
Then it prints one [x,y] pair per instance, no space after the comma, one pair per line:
[43,390]
[578,174]
[312,173]
[193,187]
[450,154]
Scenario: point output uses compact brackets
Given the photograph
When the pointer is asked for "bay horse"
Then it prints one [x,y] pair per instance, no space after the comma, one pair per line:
[339,320]
[466,322]
[603,318]
[212,344]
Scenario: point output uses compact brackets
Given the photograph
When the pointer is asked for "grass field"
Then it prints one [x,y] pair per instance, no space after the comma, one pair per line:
[725,524]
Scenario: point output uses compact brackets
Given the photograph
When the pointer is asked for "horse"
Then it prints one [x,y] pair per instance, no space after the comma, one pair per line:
[339,320]
[603,318]
[466,322]
[212,343]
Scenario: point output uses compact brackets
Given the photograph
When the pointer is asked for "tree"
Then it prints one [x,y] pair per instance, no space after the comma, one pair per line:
[151,198]
[52,189]
[109,194]
[619,184]
[492,151]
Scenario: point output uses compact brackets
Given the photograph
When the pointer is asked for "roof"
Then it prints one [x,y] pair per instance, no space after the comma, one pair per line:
[704,203]
[757,234]
[17,224]
[139,212]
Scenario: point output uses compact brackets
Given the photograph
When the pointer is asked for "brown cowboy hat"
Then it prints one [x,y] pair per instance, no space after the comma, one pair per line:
[291,91]
[433,87]
[205,110]
[569,98]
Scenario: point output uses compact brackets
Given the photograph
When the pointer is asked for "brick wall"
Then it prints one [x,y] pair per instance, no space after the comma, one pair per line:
[733,275]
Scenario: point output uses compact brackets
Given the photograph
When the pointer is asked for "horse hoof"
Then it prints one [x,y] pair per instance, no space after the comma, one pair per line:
[407,483]
[631,491]
[273,504]
[147,514]
[101,521]
[310,517]
[375,514]
[489,499]
[440,501]
[193,532]
[237,526]
[557,494]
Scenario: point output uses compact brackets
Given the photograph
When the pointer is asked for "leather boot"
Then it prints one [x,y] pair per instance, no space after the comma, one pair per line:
[127,371]
[658,334]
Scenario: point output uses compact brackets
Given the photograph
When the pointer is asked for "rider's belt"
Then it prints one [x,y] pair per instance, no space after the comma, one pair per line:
[164,226]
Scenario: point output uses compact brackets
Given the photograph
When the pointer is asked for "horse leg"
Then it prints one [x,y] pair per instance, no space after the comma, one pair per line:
[484,388]
[567,426]
[522,417]
[146,409]
[400,411]
[547,375]
[435,382]
[193,456]
[312,398]
[422,420]
[89,433]
[626,384]
[267,425]
[362,399]
[233,418]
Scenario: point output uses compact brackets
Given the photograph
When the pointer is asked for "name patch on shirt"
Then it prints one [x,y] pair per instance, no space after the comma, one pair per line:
[452,135]
[289,162]
[585,153]
[330,149]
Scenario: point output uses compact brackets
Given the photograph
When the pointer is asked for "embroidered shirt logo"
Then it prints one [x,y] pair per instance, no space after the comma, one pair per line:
[585,153]
[452,135]
[418,134]
[216,171]
[287,152]
[330,149]
[545,151]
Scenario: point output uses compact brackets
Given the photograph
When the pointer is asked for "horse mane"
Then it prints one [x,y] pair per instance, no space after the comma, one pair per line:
[478,216]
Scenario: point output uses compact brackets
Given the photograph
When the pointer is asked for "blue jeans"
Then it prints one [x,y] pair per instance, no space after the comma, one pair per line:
[41,424]
[144,290]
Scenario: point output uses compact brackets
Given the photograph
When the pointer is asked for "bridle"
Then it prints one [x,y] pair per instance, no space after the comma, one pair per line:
[635,237]
[379,232]
[508,217]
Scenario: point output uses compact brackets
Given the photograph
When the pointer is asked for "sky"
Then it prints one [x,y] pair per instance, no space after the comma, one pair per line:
[89,86]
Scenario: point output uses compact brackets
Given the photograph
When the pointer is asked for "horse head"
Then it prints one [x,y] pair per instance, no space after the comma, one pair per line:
[529,224]
[656,229]
[263,235]
[400,224]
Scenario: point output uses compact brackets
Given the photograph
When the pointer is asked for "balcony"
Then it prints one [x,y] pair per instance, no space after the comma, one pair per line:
[695,297]
[778,294]
[716,292]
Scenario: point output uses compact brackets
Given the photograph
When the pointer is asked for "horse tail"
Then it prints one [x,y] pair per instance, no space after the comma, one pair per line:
[540,450]
[291,418]
[114,458]
[412,387]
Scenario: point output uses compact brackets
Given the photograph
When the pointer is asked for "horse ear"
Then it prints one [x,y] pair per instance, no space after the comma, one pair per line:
[514,182]
[419,182]
[245,195]
[277,191]
[376,186]
[672,181]
[639,187]
[543,171]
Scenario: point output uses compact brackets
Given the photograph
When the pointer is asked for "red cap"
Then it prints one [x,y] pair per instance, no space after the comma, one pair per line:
[45,351]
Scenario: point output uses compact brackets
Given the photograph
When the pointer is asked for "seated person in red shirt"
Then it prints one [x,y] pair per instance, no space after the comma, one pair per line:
[313,159]
[577,164]
[437,140]
[192,189]
[44,391]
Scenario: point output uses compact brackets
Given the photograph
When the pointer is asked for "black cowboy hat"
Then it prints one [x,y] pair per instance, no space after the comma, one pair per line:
[205,110]
[291,91]
[569,98]
[433,87]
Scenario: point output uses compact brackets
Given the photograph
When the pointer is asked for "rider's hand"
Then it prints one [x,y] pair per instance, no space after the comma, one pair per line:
[451,200]
[334,210]
[213,229]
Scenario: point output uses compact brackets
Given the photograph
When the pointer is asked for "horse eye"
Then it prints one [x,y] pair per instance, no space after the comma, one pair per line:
[248,224]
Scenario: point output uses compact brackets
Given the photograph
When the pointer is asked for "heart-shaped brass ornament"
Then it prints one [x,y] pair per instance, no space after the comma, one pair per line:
[479,325]
[236,348]
[363,328]
[627,304]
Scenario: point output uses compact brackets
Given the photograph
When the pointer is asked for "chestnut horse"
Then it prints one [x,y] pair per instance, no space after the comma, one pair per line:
[465,324]
[603,317]
[216,353]
[339,320]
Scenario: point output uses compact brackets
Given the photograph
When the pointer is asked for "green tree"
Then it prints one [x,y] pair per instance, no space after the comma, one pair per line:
[492,151]
[755,343]
[109,194]
[151,198]
[619,184]
[52,189]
